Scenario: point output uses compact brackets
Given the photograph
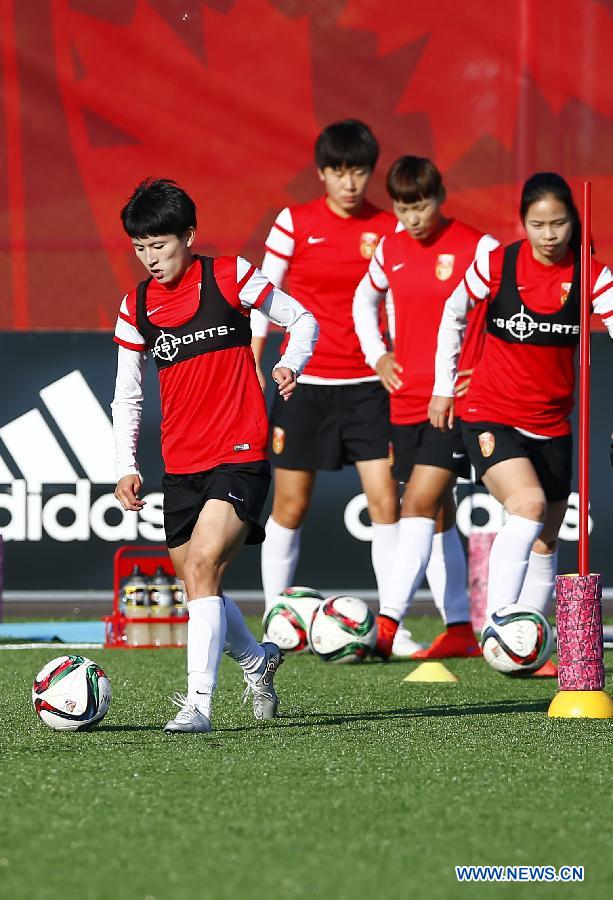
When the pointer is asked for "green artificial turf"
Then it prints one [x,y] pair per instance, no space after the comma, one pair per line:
[364,787]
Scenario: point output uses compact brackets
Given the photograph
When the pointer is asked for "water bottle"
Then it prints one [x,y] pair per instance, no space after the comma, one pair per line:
[135,604]
[161,599]
[180,615]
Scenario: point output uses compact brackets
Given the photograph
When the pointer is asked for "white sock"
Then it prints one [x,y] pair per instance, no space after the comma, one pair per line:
[383,550]
[240,643]
[410,560]
[206,632]
[280,553]
[540,580]
[509,561]
[447,575]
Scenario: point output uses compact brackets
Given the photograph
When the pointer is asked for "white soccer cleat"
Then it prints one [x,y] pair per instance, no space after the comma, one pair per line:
[189,719]
[265,699]
[404,646]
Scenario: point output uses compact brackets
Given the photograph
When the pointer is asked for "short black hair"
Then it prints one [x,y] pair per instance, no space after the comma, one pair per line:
[158,206]
[550,184]
[414,178]
[348,143]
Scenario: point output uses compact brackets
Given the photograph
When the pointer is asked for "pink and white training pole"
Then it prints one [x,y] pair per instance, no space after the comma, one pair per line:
[581,673]
[584,378]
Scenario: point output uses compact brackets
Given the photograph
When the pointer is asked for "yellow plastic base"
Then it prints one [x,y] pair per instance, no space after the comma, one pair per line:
[581,705]
[429,672]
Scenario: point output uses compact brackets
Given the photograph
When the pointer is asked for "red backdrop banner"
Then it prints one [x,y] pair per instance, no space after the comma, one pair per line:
[227,97]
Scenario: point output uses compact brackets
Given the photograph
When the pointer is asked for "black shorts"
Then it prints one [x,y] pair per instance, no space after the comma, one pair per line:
[327,426]
[244,485]
[489,443]
[423,445]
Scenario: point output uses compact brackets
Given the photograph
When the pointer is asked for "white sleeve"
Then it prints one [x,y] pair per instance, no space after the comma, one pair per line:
[301,326]
[369,294]
[126,334]
[477,277]
[256,286]
[127,406]
[280,245]
[283,310]
[450,336]
[390,311]
[259,324]
[602,298]
[366,302]
[376,270]
[453,321]
[274,269]
[485,246]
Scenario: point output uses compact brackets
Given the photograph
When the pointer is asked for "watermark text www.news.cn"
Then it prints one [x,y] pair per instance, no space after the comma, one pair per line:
[519,873]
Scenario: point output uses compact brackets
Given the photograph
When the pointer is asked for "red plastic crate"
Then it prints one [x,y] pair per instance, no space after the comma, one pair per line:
[148,557]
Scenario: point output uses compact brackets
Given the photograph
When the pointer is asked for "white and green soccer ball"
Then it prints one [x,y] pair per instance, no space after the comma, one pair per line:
[71,693]
[287,621]
[516,639]
[343,630]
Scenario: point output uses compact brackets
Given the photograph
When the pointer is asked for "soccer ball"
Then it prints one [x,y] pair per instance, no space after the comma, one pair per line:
[516,639]
[343,630]
[71,693]
[287,621]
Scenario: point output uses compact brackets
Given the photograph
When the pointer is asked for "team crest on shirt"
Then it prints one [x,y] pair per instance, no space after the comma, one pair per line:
[444,266]
[368,243]
[278,440]
[565,291]
[487,443]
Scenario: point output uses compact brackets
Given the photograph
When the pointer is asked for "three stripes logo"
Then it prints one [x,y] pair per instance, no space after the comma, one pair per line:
[54,461]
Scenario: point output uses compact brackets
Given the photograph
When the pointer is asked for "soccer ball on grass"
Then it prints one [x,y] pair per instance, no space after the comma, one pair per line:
[287,621]
[343,630]
[71,693]
[516,640]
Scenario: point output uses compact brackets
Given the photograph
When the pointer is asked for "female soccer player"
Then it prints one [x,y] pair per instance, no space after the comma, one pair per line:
[516,424]
[192,314]
[417,266]
[340,413]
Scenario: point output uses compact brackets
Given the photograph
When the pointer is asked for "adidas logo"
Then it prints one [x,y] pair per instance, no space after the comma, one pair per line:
[68,441]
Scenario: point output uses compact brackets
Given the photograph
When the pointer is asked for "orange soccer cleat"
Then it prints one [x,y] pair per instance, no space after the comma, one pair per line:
[386,631]
[547,670]
[458,640]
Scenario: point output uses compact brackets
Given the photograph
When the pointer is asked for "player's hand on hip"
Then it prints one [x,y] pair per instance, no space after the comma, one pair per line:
[441,413]
[463,382]
[286,381]
[387,369]
[127,491]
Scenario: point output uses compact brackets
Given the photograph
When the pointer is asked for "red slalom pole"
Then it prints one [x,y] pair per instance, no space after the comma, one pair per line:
[584,377]
[581,674]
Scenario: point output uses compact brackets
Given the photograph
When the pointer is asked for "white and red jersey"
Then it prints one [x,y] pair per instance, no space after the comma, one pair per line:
[419,275]
[213,409]
[522,384]
[323,257]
